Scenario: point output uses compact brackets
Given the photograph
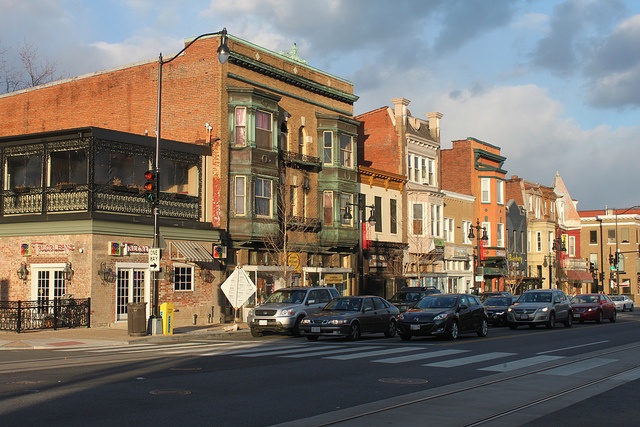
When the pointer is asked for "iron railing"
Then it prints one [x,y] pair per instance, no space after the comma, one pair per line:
[53,313]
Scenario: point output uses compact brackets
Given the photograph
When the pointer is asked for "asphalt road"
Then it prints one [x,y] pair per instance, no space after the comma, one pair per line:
[273,380]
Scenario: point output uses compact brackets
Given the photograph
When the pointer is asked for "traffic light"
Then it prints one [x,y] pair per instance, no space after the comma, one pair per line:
[611,262]
[592,267]
[150,186]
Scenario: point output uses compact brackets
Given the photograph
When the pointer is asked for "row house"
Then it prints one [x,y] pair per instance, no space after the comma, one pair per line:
[394,141]
[475,167]
[257,162]
[610,244]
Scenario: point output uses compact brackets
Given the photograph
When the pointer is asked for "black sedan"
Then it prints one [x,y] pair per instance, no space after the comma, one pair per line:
[351,317]
[445,315]
[497,309]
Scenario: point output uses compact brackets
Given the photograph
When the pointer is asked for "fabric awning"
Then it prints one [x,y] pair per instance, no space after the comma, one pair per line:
[579,276]
[192,251]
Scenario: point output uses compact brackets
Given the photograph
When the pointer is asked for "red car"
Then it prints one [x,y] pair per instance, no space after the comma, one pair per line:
[593,307]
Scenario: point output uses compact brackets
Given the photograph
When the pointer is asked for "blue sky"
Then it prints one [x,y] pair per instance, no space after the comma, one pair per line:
[555,84]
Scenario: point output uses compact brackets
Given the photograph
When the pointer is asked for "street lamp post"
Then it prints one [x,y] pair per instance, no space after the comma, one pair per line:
[372,221]
[223,56]
[550,264]
[558,247]
[477,257]
[618,254]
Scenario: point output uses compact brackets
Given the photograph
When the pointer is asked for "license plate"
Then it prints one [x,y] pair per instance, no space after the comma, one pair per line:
[415,327]
[524,316]
[576,316]
[262,322]
[315,329]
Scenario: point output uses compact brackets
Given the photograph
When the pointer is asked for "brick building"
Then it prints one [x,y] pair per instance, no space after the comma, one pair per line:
[243,142]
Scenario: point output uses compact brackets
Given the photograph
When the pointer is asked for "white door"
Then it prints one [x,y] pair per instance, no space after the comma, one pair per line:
[132,285]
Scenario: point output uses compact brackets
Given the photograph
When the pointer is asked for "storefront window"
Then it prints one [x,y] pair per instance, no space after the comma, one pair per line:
[68,166]
[23,171]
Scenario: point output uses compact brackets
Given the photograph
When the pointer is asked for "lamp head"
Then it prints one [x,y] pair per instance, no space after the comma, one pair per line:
[347,214]
[223,49]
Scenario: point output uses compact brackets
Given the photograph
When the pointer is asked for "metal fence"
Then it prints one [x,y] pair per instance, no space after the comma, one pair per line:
[53,313]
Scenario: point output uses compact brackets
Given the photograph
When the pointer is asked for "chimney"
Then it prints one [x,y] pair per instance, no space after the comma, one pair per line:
[434,124]
[401,111]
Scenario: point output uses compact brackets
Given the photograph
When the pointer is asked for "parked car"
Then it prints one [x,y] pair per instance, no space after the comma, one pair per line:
[497,309]
[285,308]
[540,307]
[622,302]
[351,317]
[484,295]
[409,295]
[593,307]
[445,315]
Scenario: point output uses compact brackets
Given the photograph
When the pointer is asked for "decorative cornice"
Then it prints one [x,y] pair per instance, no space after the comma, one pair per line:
[292,79]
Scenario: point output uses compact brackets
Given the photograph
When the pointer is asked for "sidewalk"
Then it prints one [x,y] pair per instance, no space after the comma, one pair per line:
[103,337]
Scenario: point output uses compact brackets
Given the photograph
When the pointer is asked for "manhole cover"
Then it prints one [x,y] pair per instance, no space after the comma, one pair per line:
[169,392]
[402,381]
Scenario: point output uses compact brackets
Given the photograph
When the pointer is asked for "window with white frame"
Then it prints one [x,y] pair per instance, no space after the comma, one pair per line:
[500,236]
[410,167]
[466,226]
[550,239]
[436,220]
[346,151]
[529,241]
[431,179]
[486,190]
[241,126]
[418,219]
[500,192]
[449,230]
[327,140]
[393,216]
[487,227]
[424,178]
[264,134]
[263,197]
[572,246]
[240,195]
[182,277]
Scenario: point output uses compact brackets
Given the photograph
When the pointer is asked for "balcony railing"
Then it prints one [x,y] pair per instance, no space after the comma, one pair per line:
[299,158]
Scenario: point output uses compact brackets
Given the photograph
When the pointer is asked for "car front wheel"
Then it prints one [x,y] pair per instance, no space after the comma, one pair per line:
[613,316]
[453,331]
[484,328]
[391,329]
[354,332]
[569,322]
[552,321]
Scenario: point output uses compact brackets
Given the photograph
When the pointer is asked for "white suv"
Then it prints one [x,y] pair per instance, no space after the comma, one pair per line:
[540,307]
[283,310]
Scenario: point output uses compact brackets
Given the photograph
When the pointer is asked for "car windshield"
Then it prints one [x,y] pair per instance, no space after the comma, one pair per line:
[344,304]
[500,301]
[584,299]
[438,302]
[295,296]
[535,297]
[617,298]
[406,297]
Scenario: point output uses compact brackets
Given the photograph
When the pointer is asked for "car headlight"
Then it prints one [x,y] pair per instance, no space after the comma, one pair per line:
[590,309]
[338,321]
[251,312]
[441,316]
[401,316]
[510,309]
[544,309]
[305,321]
[287,312]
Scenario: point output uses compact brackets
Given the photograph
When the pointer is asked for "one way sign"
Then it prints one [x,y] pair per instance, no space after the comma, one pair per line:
[154,259]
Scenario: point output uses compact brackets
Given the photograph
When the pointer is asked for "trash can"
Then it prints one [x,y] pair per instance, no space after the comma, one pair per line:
[166,312]
[137,318]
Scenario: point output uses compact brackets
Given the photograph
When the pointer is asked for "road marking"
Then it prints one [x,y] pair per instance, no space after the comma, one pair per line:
[580,366]
[468,360]
[420,356]
[371,353]
[522,363]
[322,352]
[631,375]
[575,346]
[276,352]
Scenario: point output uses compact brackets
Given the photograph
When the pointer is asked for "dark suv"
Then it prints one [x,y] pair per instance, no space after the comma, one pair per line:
[408,296]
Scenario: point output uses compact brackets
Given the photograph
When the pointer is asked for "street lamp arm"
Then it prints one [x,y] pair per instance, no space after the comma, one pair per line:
[223,49]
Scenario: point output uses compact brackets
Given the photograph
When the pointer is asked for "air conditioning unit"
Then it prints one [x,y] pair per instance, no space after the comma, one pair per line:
[219,252]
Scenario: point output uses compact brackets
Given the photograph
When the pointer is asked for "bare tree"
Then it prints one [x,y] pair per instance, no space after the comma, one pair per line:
[34,72]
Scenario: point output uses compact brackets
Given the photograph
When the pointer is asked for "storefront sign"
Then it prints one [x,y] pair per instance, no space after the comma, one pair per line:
[333,278]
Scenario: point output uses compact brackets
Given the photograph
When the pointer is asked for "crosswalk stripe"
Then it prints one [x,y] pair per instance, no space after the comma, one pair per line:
[281,350]
[468,360]
[420,356]
[579,366]
[322,352]
[204,347]
[361,355]
[522,363]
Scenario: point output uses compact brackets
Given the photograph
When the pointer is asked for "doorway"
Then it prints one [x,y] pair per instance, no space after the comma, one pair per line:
[132,286]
